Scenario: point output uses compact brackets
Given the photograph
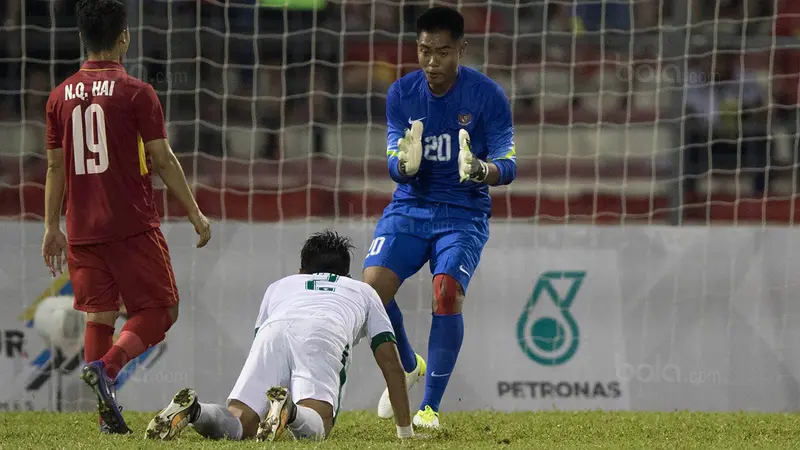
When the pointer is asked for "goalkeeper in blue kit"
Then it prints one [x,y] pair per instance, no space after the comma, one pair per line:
[450,137]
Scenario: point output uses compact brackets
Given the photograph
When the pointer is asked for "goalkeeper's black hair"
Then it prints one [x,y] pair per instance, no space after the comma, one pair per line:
[441,18]
[100,23]
[328,252]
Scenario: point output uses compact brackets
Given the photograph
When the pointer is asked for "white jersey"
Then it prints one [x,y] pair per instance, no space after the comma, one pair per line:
[306,328]
[349,308]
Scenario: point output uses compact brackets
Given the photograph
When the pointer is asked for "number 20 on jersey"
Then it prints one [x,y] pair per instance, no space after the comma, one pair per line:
[89,133]
[438,148]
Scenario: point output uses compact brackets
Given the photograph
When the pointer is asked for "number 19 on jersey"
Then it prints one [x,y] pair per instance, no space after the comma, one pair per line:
[89,132]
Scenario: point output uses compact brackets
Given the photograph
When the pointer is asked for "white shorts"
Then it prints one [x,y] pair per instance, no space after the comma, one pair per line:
[309,360]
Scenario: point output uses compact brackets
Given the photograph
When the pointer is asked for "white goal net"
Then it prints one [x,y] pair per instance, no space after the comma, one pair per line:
[646,113]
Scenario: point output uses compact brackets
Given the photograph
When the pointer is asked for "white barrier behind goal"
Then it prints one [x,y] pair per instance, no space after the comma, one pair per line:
[662,318]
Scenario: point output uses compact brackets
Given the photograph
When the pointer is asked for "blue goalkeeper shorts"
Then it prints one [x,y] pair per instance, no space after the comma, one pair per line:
[410,234]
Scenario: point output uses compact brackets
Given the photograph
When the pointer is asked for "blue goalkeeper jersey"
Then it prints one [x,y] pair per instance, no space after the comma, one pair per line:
[475,103]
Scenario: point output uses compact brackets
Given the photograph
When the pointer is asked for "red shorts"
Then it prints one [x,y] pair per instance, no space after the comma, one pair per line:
[135,271]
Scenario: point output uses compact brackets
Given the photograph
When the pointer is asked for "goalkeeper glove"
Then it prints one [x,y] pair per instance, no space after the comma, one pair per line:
[469,167]
[410,149]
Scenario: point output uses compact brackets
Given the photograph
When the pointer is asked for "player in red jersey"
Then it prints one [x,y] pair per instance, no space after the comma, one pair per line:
[105,135]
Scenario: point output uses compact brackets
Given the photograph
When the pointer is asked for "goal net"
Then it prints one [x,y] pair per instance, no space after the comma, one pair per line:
[646,113]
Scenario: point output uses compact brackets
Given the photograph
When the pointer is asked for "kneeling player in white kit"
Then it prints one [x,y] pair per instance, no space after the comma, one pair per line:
[293,377]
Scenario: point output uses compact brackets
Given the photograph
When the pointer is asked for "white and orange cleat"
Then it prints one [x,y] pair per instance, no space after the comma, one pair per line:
[182,410]
[282,411]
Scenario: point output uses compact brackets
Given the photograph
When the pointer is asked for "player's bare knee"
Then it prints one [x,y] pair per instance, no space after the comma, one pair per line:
[324,409]
[448,295]
[105,317]
[384,281]
[247,417]
[249,426]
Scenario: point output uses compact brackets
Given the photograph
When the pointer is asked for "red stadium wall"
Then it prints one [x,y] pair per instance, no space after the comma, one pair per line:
[268,191]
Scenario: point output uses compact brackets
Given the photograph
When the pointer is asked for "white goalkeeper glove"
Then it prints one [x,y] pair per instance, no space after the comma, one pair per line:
[469,167]
[410,149]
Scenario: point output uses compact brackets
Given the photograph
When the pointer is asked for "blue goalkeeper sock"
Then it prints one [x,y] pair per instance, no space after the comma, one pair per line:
[407,355]
[444,343]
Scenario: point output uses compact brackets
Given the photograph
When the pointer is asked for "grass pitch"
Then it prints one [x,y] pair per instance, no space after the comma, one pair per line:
[363,430]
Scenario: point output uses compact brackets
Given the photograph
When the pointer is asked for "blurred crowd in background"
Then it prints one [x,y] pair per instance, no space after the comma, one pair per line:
[231,64]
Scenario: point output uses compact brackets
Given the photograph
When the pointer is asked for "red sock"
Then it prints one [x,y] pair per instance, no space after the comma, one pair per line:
[143,330]
[97,341]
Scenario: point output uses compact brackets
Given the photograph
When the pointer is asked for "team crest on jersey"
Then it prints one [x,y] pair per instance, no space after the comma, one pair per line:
[464,119]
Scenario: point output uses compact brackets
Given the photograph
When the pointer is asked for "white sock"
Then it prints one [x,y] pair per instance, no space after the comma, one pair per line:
[307,424]
[216,422]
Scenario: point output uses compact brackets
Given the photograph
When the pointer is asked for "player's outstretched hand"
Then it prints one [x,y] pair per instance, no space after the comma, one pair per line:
[410,149]
[202,227]
[465,157]
[469,167]
[415,437]
[407,433]
[54,250]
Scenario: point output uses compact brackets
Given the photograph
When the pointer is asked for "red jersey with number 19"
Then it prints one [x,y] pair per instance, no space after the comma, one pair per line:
[102,117]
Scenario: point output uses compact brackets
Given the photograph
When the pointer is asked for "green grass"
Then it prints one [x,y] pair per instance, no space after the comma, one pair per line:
[362,430]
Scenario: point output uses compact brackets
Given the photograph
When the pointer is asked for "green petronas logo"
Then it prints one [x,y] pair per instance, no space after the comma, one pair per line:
[546,330]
